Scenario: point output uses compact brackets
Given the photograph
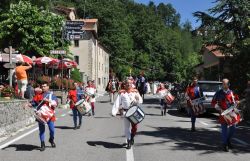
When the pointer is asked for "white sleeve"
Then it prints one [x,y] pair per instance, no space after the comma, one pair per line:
[116,105]
[140,100]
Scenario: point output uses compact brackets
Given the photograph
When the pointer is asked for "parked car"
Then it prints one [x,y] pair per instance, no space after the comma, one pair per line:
[208,88]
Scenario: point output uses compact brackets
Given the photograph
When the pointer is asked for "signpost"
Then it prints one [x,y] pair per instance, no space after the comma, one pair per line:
[59,52]
[9,66]
[74,30]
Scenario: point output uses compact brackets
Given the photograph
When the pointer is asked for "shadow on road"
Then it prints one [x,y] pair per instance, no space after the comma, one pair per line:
[105,144]
[23,147]
[64,127]
[202,140]
[151,101]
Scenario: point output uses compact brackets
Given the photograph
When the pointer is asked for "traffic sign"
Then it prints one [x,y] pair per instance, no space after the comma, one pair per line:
[75,37]
[9,66]
[62,52]
[75,23]
[73,27]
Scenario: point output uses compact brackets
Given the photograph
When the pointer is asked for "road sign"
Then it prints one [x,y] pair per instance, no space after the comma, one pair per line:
[9,66]
[62,52]
[75,32]
[73,27]
[75,37]
[75,23]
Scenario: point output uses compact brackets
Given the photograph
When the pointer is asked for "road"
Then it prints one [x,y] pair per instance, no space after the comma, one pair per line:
[101,138]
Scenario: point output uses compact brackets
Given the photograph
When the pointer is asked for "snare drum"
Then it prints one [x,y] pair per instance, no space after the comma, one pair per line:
[44,114]
[232,116]
[135,114]
[169,98]
[197,106]
[83,107]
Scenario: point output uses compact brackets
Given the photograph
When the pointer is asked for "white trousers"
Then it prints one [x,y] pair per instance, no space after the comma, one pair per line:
[127,125]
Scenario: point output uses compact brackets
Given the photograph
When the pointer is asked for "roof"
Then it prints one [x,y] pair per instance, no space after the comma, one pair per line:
[214,49]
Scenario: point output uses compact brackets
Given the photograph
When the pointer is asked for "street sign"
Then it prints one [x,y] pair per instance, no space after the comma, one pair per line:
[75,23]
[75,32]
[75,37]
[73,27]
[62,52]
[9,66]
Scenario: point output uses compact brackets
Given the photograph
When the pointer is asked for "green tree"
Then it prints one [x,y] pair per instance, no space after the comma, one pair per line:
[31,30]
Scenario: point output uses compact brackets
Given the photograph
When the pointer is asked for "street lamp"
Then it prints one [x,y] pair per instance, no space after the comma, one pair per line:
[33,70]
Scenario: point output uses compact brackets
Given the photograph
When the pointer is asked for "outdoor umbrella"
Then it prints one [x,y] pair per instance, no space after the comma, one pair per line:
[24,58]
[44,60]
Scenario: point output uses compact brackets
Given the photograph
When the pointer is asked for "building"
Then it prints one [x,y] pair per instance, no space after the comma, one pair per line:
[91,56]
[215,64]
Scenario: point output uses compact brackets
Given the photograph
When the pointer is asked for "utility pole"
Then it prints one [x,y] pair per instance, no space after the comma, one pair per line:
[10,70]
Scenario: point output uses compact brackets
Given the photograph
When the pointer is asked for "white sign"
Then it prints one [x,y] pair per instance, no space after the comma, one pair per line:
[62,52]
[9,66]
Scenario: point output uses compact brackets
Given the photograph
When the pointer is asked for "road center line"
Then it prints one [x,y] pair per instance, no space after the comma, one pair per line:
[241,142]
[130,154]
[203,123]
[18,138]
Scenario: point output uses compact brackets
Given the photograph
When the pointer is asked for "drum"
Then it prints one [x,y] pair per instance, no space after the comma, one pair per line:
[44,114]
[231,115]
[83,107]
[169,98]
[197,106]
[135,114]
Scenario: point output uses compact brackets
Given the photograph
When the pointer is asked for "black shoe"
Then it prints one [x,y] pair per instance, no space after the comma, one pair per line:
[225,148]
[52,143]
[165,111]
[162,113]
[193,129]
[42,146]
[132,139]
[128,144]
[93,113]
[75,128]
[79,126]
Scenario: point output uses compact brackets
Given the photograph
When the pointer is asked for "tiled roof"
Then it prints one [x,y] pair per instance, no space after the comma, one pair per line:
[214,50]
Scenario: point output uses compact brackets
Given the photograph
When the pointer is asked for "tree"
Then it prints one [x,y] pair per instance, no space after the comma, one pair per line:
[31,30]
[229,23]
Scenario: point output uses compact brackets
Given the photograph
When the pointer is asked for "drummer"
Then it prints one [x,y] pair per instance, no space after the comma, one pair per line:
[73,97]
[126,97]
[162,91]
[222,100]
[90,90]
[50,100]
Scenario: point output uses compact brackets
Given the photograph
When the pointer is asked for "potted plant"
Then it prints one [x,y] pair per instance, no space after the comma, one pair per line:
[7,92]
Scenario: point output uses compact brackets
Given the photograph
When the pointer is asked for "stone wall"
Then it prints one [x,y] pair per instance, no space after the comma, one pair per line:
[14,115]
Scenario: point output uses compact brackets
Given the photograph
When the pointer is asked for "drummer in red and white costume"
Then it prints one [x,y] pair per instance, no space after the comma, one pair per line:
[90,90]
[127,97]
[222,100]
[50,100]
[162,91]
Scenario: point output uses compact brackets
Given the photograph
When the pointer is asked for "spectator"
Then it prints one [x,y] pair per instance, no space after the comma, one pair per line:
[22,79]
[29,93]
[247,96]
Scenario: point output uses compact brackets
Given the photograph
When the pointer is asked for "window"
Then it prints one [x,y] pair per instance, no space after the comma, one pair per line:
[99,81]
[76,43]
[76,58]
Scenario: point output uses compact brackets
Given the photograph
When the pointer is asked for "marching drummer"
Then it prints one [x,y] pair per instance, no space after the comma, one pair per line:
[162,91]
[49,99]
[124,100]
[222,100]
[193,91]
[73,97]
[90,90]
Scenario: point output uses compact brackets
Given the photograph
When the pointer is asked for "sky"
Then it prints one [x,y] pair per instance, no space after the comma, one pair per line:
[185,8]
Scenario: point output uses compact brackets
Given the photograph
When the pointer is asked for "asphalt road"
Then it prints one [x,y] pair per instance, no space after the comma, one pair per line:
[101,138]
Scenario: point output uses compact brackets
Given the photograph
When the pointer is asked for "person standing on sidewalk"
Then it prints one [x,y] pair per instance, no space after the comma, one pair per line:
[22,79]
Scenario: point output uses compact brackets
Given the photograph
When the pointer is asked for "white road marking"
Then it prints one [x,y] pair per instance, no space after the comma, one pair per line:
[130,154]
[18,138]
[241,142]
[203,123]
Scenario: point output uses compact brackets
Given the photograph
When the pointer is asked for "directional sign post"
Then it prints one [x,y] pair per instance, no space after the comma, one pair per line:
[74,30]
[60,52]
[9,66]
